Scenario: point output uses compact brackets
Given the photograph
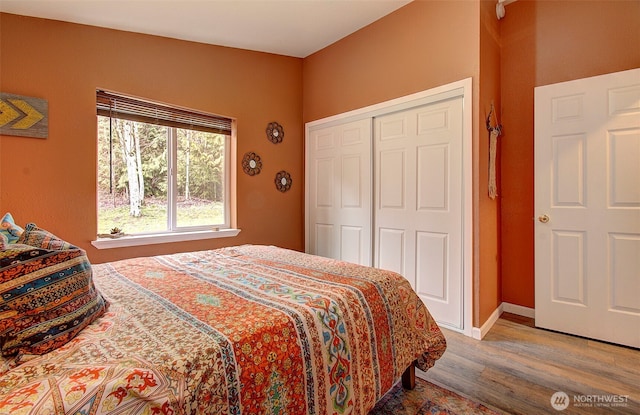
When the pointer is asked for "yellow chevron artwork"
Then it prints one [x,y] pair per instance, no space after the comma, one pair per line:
[23,116]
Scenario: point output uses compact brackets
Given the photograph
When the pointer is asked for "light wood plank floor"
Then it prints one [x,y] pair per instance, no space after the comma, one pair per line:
[517,368]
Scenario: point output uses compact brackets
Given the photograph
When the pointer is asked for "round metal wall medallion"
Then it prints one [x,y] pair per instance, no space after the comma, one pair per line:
[275,132]
[283,181]
[251,163]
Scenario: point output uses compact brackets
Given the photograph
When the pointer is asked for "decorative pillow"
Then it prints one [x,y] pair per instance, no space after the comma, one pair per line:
[47,298]
[9,229]
[41,238]
[11,254]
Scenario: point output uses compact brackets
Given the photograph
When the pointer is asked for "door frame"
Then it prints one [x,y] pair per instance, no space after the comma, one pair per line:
[462,88]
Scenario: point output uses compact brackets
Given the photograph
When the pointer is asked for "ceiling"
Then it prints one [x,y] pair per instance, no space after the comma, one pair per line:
[286,27]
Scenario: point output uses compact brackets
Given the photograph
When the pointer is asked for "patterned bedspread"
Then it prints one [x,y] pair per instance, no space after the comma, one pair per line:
[242,330]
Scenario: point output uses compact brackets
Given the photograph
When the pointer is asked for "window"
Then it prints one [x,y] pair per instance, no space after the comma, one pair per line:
[161,169]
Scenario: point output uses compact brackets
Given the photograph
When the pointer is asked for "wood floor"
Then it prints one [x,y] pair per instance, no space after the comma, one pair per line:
[516,369]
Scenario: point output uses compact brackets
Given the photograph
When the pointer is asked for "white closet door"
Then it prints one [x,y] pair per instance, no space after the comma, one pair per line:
[339,179]
[419,203]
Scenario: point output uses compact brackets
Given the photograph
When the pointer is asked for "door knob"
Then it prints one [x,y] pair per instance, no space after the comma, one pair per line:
[543,218]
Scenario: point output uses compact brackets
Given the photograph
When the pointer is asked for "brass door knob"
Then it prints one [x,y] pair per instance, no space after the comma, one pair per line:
[543,218]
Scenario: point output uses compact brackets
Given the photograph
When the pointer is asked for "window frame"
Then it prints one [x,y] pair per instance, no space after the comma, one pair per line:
[172,204]
[173,233]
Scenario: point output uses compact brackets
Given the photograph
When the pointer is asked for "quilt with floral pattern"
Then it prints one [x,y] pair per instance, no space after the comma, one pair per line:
[241,330]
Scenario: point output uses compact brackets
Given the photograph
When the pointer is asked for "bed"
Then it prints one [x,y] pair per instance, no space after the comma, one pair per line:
[241,330]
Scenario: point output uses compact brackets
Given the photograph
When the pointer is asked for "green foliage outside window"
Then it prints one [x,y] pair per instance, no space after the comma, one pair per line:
[134,181]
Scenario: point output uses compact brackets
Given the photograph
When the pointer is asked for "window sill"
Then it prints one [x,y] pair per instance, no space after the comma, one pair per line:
[137,240]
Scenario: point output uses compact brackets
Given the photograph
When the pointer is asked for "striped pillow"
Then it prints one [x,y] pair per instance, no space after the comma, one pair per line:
[41,238]
[47,298]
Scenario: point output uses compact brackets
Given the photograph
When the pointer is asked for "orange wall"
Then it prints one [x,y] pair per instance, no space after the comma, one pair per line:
[52,181]
[546,42]
[488,295]
[410,50]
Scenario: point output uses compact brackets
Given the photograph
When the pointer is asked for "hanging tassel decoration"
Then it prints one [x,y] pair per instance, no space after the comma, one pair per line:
[494,132]
[493,144]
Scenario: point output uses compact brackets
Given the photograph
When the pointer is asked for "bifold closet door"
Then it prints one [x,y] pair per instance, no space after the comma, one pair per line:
[419,203]
[339,178]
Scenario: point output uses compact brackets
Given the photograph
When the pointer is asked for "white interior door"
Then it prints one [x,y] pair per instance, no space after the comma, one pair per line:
[339,177]
[587,204]
[419,203]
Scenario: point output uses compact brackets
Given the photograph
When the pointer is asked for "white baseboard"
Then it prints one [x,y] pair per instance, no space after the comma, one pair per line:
[479,333]
[519,310]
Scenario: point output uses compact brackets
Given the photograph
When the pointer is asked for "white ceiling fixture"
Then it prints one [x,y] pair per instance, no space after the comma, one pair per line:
[286,27]
[500,11]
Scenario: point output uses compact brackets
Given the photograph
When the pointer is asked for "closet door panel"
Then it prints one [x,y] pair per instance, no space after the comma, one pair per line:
[431,266]
[323,185]
[432,178]
[352,239]
[351,185]
[340,195]
[323,242]
[391,180]
[418,160]
[392,249]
